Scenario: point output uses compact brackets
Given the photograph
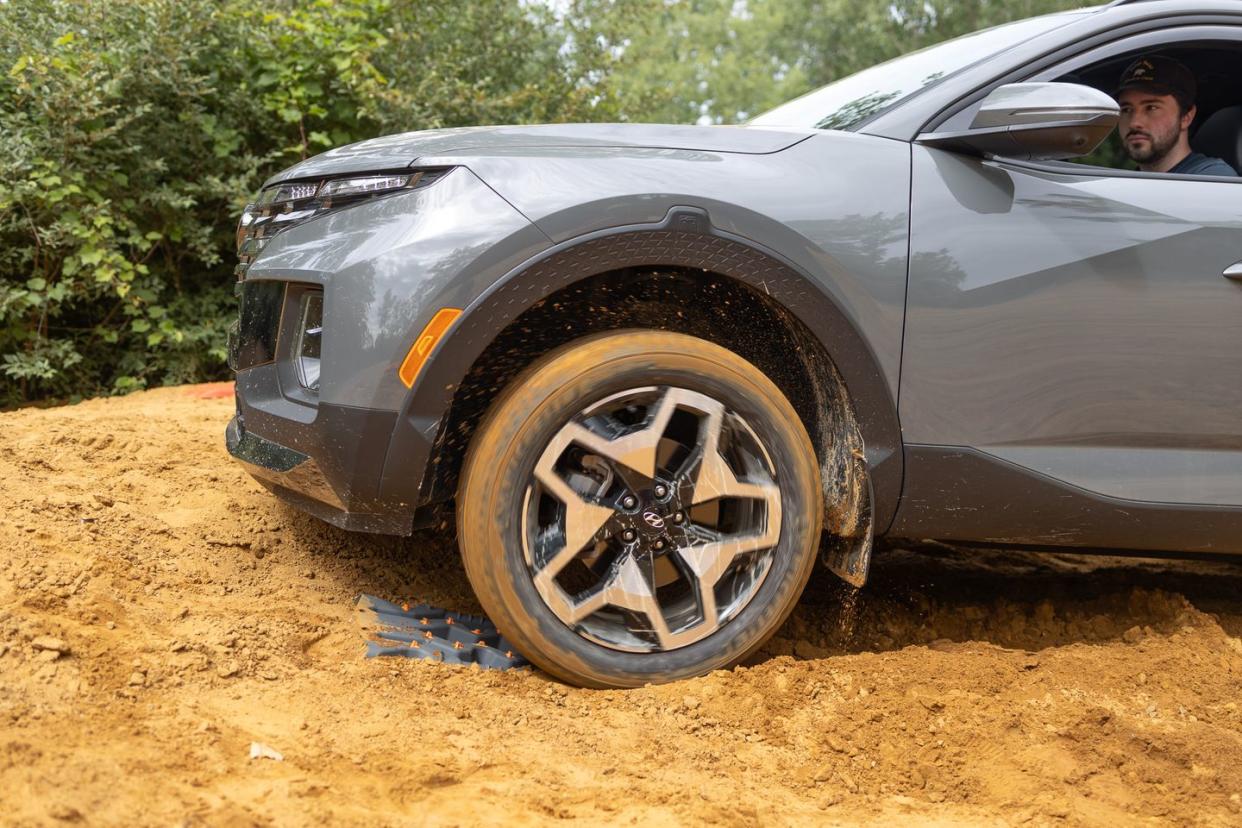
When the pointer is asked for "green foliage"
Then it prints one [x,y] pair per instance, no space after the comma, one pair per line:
[136,130]
[724,61]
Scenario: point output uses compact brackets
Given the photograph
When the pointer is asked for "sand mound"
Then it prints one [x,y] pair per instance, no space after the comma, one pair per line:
[159,612]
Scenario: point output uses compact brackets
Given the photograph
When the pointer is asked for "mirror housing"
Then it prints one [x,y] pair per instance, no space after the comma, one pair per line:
[1048,121]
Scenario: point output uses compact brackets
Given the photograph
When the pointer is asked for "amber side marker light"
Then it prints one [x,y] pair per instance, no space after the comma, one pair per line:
[426,342]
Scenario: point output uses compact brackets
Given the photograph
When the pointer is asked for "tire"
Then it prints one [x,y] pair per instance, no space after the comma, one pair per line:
[723,573]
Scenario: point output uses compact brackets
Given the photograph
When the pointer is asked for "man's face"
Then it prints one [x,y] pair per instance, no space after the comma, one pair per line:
[1151,124]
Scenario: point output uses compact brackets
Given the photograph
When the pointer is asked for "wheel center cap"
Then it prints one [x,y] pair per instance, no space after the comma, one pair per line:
[653,519]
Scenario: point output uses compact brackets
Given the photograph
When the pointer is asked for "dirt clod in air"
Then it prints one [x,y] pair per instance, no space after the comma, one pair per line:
[160,613]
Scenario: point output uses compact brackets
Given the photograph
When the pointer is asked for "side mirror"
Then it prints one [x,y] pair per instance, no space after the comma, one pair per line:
[1035,120]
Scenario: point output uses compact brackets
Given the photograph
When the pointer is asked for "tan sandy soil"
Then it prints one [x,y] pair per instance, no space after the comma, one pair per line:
[196,614]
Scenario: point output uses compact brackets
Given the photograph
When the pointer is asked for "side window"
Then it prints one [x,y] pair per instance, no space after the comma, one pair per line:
[1213,55]
[1215,69]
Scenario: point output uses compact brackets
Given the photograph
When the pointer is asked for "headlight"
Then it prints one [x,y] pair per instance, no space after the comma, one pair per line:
[370,185]
[290,203]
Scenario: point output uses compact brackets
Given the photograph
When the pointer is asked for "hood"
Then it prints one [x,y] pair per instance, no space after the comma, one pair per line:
[396,151]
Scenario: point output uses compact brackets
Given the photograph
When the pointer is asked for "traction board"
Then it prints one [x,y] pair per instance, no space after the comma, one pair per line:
[424,631]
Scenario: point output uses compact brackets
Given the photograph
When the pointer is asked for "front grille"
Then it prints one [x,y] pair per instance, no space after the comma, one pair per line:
[291,203]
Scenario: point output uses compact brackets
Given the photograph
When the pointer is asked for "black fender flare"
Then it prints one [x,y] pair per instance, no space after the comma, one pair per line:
[684,238]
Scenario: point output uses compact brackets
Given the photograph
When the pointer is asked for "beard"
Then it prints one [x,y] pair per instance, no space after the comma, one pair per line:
[1158,145]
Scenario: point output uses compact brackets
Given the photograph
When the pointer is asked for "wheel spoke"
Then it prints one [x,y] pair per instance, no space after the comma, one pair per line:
[715,479]
[628,588]
[636,450]
[582,518]
[709,561]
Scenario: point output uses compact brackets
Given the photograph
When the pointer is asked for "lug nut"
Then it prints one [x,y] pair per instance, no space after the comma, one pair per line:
[658,545]
[661,491]
[679,518]
[629,502]
[628,535]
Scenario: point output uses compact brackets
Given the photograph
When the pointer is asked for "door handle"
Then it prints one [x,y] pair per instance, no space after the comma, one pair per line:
[1234,272]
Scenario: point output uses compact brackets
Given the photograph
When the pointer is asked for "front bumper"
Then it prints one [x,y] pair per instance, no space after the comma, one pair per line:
[321,457]
[301,481]
[334,441]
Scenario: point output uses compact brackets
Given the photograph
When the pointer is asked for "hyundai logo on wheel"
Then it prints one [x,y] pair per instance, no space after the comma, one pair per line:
[653,520]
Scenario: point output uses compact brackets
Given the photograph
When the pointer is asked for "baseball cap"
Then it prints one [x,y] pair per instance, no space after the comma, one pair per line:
[1162,75]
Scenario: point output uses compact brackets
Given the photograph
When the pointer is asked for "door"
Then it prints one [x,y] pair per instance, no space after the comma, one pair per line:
[1076,324]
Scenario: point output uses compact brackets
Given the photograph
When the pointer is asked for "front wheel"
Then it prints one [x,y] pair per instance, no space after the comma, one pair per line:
[637,507]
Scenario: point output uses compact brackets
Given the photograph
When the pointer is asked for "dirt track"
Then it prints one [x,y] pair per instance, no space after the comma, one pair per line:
[196,615]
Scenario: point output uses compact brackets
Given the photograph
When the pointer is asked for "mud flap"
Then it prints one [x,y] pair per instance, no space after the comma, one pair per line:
[849,557]
[422,631]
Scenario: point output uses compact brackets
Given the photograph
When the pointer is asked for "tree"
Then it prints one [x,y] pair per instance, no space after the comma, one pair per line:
[723,61]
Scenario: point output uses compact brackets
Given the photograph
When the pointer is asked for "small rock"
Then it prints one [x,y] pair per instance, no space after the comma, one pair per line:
[111,625]
[48,655]
[228,670]
[828,801]
[137,679]
[690,703]
[308,573]
[270,675]
[64,812]
[102,499]
[47,642]
[1132,636]
[258,750]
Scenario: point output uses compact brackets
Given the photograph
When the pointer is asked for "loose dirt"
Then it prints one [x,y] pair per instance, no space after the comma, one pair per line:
[160,612]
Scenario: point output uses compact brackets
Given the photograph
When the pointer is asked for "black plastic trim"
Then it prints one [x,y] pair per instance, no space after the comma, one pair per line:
[254,450]
[346,446]
[684,238]
[260,305]
[956,494]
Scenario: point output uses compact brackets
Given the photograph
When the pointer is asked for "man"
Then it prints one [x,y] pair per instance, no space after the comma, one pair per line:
[1157,97]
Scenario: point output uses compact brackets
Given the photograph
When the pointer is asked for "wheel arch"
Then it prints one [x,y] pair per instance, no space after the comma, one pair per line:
[518,319]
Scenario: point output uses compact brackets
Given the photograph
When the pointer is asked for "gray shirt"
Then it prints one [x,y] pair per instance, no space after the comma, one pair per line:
[1199,164]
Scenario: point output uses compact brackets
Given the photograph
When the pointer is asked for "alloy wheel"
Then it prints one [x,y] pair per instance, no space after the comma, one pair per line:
[650,519]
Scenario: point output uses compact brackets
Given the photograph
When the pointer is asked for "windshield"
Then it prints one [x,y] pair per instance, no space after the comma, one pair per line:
[848,102]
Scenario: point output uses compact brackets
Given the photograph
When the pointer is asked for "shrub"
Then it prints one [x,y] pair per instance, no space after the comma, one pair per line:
[135,131]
